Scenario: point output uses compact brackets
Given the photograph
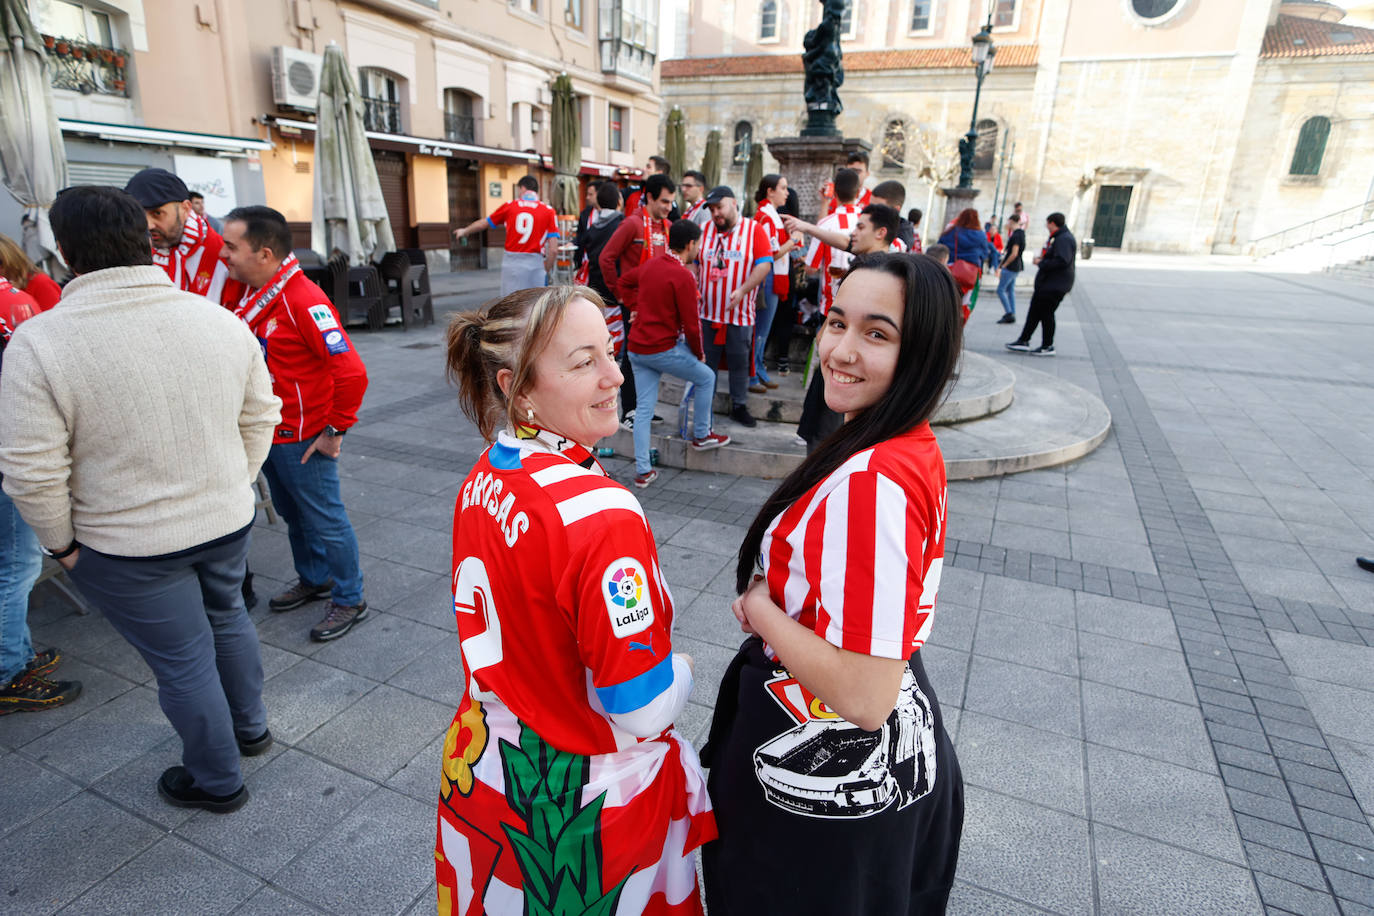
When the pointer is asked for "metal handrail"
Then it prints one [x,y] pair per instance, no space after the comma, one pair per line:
[1277,241]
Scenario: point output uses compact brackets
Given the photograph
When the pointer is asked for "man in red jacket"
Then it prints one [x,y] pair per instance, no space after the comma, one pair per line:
[320,380]
[185,245]
[665,336]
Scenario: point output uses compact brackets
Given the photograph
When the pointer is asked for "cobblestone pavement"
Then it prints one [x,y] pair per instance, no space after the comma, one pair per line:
[1156,661]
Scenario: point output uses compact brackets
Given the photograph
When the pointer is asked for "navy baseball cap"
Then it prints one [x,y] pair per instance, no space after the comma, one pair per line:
[718,193]
[154,187]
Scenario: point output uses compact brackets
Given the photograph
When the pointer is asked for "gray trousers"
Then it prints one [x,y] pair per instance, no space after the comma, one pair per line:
[185,616]
[738,346]
[521,270]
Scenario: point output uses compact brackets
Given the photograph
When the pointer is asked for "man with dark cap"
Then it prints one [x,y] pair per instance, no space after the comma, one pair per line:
[184,244]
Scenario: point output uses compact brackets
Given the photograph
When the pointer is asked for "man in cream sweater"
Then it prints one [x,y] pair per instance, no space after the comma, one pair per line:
[133,421]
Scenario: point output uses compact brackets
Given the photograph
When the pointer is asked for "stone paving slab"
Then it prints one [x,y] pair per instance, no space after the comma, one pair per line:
[1151,714]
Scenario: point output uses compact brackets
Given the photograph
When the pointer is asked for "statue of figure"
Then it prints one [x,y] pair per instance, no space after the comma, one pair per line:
[822,59]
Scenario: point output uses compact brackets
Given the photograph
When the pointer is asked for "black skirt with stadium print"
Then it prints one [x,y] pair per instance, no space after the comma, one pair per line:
[817,815]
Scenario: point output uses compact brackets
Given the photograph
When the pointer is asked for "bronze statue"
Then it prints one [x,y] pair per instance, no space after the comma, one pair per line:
[822,59]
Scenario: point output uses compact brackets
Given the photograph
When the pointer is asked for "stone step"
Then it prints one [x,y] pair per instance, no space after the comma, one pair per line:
[984,387]
[1049,422]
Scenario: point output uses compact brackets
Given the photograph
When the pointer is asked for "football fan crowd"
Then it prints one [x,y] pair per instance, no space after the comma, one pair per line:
[140,404]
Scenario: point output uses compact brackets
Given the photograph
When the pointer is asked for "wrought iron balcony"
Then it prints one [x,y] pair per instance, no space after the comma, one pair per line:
[459,128]
[382,115]
[87,68]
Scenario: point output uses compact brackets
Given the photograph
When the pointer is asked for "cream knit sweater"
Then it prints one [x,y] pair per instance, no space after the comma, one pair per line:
[134,417]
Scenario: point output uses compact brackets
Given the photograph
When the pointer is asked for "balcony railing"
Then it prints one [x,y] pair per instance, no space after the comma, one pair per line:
[459,128]
[87,68]
[382,115]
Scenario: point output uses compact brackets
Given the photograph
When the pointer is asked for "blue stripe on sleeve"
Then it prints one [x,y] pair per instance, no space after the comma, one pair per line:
[758,261]
[490,223]
[637,692]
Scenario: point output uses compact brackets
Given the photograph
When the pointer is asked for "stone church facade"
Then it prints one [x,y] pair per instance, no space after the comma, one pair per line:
[1187,126]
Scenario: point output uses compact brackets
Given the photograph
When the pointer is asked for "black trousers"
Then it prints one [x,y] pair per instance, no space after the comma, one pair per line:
[1042,306]
[628,399]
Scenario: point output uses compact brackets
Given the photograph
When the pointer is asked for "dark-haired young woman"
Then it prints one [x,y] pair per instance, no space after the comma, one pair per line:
[835,786]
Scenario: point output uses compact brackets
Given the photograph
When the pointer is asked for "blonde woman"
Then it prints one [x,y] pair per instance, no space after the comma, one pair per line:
[565,787]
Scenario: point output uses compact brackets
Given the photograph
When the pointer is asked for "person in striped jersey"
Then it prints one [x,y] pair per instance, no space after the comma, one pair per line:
[736,257]
[835,785]
[565,787]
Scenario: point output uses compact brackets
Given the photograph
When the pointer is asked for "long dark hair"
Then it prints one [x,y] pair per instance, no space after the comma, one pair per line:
[767,184]
[931,341]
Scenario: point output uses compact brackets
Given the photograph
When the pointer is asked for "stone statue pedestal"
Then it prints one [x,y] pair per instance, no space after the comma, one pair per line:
[956,199]
[808,163]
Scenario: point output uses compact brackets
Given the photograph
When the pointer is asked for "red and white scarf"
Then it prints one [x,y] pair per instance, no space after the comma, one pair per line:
[185,264]
[253,307]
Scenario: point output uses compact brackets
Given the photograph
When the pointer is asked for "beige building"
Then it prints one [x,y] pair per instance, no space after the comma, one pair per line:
[457,97]
[1155,125]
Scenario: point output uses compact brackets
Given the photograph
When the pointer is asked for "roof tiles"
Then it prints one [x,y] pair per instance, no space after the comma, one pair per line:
[911,59]
[1294,36]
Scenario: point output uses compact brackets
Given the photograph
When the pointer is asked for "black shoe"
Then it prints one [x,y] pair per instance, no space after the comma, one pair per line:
[44,661]
[742,416]
[1047,350]
[178,788]
[255,746]
[338,620]
[1365,563]
[299,594]
[30,692]
[1007,318]
[1018,346]
[250,597]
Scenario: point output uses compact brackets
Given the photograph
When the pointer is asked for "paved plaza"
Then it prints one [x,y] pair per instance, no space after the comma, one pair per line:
[1157,662]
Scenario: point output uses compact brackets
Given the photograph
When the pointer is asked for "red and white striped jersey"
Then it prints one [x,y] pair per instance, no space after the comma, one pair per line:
[726,260]
[531,222]
[827,260]
[857,559]
[564,619]
[898,246]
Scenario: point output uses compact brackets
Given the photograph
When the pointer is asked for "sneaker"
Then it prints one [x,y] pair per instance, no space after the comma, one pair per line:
[1043,351]
[44,662]
[710,441]
[252,747]
[177,787]
[628,423]
[1019,346]
[657,419]
[784,368]
[758,388]
[643,480]
[1007,319]
[798,440]
[742,416]
[338,620]
[300,593]
[29,692]
[769,383]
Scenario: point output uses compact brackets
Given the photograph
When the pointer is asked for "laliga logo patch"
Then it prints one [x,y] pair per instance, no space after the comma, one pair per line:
[627,597]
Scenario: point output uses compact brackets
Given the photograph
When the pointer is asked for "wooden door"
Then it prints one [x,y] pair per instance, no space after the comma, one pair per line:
[1109,226]
[391,174]
[464,206]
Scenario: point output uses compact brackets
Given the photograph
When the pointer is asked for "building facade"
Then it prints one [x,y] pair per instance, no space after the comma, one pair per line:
[1155,125]
[456,93]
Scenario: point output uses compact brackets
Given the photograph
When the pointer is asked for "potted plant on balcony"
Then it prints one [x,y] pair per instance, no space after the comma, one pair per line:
[118,59]
[78,52]
[118,85]
[106,55]
[49,42]
[63,49]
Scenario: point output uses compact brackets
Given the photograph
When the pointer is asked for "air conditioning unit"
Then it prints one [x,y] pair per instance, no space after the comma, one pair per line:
[295,78]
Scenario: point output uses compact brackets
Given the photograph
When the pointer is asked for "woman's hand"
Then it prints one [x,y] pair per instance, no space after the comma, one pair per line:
[756,603]
[737,606]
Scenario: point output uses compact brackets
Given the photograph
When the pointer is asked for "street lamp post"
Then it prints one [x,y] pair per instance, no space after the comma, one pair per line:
[983,53]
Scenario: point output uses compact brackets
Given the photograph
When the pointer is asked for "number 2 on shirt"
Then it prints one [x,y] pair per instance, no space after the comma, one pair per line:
[524,224]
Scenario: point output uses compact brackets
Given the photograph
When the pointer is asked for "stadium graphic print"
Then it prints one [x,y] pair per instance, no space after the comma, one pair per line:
[829,767]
